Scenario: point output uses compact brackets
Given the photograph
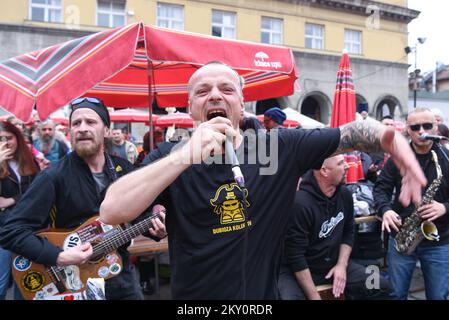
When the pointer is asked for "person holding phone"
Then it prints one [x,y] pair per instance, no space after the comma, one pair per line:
[17,171]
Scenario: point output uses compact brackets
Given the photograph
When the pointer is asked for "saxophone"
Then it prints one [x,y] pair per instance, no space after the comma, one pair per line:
[414,229]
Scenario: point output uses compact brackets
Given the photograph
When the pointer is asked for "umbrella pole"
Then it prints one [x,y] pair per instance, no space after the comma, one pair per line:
[150,100]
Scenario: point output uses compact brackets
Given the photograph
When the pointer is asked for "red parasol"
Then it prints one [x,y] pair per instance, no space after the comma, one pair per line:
[130,115]
[343,111]
[132,65]
[117,65]
[178,119]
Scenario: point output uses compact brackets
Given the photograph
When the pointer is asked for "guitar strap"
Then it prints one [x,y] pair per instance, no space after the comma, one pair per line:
[112,174]
[111,168]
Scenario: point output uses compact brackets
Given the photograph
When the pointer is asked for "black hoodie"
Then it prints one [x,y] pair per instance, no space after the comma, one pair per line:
[318,226]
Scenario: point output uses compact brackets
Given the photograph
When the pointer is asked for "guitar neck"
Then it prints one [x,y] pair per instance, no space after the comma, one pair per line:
[120,237]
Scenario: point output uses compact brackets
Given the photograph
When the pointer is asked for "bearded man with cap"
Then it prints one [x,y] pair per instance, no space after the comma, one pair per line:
[274,118]
[69,193]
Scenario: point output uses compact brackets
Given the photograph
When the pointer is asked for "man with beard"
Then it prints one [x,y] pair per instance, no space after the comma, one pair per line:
[52,148]
[320,238]
[432,255]
[70,192]
[121,147]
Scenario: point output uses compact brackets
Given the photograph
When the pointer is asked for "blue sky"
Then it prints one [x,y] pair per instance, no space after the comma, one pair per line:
[432,23]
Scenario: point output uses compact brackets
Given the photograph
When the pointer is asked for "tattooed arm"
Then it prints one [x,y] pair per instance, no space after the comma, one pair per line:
[360,135]
[372,136]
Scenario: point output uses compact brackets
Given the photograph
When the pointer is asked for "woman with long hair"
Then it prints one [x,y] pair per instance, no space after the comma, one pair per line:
[17,171]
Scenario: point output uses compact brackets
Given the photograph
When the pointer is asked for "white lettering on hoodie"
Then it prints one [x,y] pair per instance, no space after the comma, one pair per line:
[329,225]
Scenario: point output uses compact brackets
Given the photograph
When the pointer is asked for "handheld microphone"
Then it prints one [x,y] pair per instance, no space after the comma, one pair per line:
[231,158]
[433,137]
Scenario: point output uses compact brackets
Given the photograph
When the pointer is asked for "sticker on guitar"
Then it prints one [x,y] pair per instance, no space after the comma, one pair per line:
[38,281]
[72,278]
[88,233]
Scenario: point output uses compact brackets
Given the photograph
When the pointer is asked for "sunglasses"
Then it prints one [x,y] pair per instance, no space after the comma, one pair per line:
[89,99]
[416,127]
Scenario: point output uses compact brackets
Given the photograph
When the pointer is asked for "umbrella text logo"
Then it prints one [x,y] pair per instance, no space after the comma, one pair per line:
[260,60]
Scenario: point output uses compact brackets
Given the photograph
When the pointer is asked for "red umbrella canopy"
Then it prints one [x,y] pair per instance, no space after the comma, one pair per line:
[124,65]
[343,109]
[50,78]
[131,115]
[269,71]
[178,119]
[169,60]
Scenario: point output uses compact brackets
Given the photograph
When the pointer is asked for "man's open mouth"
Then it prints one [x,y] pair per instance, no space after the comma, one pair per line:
[84,139]
[216,113]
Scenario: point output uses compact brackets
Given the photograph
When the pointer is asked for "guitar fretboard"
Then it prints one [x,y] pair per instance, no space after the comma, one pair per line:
[120,237]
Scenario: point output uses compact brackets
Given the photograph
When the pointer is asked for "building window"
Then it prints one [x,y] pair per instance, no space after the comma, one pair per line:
[223,24]
[46,10]
[314,36]
[111,13]
[353,41]
[170,16]
[271,30]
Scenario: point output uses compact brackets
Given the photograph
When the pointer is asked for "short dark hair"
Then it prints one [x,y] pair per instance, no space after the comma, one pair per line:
[386,117]
[443,130]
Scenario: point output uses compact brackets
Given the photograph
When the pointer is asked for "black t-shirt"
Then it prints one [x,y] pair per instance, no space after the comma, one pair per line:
[206,220]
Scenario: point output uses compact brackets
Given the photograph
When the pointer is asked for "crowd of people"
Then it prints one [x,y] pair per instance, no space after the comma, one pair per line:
[236,229]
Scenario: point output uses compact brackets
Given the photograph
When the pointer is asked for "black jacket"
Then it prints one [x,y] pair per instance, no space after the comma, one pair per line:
[318,226]
[63,196]
[10,187]
[389,183]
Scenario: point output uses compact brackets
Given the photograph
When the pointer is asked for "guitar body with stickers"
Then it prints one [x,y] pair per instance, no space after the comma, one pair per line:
[39,282]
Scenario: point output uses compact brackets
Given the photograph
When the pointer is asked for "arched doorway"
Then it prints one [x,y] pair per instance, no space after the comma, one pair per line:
[264,105]
[360,99]
[316,105]
[388,105]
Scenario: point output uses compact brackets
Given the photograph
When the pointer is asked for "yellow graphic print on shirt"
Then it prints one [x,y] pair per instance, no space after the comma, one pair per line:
[228,203]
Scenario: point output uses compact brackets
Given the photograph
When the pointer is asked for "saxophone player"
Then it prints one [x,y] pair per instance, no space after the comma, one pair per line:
[433,255]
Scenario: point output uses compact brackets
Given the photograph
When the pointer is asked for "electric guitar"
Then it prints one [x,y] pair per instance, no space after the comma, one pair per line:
[39,282]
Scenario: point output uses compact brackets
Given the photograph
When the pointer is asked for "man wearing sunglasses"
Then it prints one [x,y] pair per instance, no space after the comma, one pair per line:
[70,192]
[433,255]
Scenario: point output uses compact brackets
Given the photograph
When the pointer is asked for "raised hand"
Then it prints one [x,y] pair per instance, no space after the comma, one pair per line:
[5,153]
[413,178]
[207,140]
[372,136]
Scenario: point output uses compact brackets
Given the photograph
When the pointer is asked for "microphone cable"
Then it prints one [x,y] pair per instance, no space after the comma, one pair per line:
[231,158]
